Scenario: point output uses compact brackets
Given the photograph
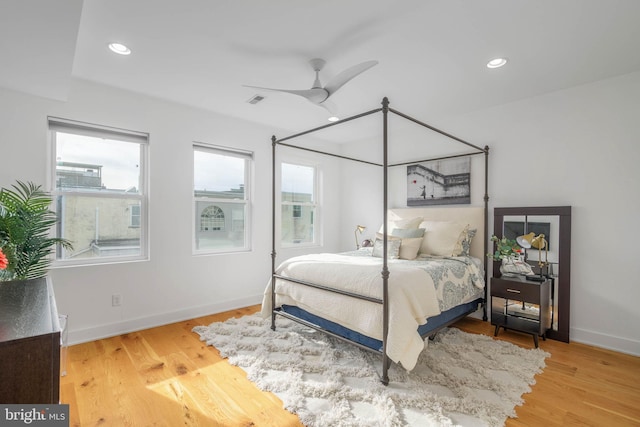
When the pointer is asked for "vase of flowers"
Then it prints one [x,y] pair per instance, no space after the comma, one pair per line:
[25,225]
[509,253]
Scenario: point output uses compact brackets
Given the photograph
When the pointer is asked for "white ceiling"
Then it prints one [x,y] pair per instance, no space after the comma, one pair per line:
[431,53]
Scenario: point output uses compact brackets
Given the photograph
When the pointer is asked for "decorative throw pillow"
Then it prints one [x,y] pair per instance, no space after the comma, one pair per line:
[402,223]
[408,232]
[393,248]
[463,246]
[441,237]
[409,247]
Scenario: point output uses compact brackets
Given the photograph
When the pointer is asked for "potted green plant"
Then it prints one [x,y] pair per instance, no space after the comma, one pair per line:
[504,248]
[25,225]
[509,253]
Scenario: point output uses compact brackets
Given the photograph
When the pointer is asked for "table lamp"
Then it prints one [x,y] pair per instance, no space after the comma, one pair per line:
[538,242]
[359,229]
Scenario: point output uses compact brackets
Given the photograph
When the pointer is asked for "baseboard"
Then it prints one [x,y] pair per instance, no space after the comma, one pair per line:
[113,329]
[610,342]
[620,344]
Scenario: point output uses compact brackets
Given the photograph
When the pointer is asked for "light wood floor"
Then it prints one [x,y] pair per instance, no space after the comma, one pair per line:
[166,376]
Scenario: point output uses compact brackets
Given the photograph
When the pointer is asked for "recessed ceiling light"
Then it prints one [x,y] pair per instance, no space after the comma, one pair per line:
[496,62]
[333,119]
[119,48]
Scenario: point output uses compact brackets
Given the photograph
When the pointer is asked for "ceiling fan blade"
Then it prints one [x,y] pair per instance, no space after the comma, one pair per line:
[316,95]
[330,107]
[339,80]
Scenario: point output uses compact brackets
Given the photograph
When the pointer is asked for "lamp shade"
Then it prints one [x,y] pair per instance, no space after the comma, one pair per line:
[525,241]
[530,240]
[539,242]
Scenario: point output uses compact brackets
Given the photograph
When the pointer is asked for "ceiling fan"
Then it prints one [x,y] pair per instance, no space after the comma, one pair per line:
[319,94]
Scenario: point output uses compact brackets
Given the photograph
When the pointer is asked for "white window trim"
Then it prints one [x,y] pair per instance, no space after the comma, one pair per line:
[247,201]
[94,130]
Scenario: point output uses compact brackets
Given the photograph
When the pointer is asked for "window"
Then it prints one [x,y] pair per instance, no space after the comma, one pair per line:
[100,192]
[221,199]
[299,205]
[135,216]
[212,219]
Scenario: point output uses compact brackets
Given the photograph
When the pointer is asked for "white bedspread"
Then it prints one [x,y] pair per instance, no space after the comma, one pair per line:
[412,298]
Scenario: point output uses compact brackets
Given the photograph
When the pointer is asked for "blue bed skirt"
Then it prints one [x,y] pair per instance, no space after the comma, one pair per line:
[433,323]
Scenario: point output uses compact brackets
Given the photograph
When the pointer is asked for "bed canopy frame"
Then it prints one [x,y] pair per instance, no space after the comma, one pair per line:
[385,109]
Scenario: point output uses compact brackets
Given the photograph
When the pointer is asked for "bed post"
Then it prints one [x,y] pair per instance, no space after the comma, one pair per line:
[486,227]
[273,232]
[385,269]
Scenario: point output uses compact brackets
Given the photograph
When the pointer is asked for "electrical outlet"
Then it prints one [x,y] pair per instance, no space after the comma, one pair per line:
[116,300]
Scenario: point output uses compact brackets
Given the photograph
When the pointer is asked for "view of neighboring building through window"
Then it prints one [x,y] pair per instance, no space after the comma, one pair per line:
[221,199]
[299,204]
[99,191]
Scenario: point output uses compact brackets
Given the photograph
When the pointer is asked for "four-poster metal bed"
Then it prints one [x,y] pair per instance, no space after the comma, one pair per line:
[384,301]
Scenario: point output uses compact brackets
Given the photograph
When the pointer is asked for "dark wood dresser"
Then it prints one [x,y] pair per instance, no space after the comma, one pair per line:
[29,343]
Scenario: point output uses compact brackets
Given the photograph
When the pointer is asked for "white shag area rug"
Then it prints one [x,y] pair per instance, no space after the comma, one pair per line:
[460,378]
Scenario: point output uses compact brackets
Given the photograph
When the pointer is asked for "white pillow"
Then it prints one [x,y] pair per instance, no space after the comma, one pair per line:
[401,223]
[403,233]
[441,237]
[409,246]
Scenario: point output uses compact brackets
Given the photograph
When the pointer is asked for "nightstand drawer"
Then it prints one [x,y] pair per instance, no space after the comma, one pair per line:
[516,290]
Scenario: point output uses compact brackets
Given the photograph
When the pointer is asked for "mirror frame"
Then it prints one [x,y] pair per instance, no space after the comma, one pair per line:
[564,258]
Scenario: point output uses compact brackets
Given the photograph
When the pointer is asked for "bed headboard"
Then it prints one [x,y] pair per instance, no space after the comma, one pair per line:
[472,215]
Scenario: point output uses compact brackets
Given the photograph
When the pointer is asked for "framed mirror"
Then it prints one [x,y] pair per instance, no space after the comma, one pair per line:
[555,224]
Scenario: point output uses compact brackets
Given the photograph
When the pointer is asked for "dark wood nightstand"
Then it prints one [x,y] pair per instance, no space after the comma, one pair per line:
[521,305]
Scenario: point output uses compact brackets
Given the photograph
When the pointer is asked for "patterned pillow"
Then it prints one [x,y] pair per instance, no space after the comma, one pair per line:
[463,246]
[409,246]
[393,248]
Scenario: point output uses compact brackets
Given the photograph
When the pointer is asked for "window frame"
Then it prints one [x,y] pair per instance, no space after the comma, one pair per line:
[57,124]
[316,205]
[247,201]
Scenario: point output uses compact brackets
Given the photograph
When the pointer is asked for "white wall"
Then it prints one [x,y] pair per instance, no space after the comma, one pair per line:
[585,140]
[577,147]
[173,285]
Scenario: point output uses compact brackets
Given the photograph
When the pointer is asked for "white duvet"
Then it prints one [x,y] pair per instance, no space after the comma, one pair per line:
[412,297]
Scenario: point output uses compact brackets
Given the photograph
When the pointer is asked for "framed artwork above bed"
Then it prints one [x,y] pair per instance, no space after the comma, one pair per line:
[439,182]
